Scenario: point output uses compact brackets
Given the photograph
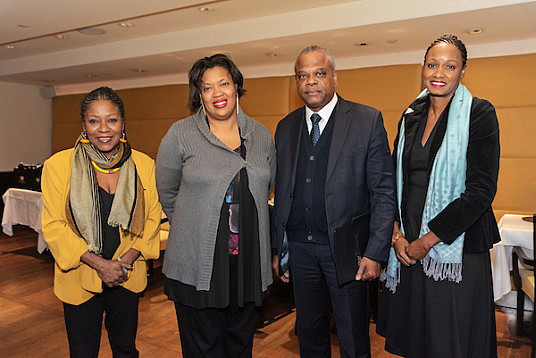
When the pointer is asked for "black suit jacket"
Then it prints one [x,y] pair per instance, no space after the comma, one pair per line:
[359,177]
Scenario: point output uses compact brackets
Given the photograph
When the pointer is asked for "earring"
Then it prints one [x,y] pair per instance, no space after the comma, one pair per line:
[202,105]
[237,106]
[123,138]
[83,137]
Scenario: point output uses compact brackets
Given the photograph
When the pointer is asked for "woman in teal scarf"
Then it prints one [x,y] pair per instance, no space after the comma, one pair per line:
[438,300]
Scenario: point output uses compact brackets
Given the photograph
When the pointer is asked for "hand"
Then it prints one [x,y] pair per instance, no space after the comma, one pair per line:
[400,247]
[275,268]
[420,247]
[129,257]
[112,272]
[368,270]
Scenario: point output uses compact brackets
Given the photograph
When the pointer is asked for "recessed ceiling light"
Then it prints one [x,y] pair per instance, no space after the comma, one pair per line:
[91,75]
[9,47]
[139,70]
[204,9]
[392,42]
[61,36]
[272,54]
[125,24]
[23,26]
[361,44]
[92,31]
[475,31]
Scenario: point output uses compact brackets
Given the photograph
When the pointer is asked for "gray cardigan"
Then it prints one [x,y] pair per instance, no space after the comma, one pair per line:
[193,171]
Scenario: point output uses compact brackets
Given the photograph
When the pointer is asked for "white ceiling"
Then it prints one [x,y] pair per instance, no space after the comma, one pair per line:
[263,37]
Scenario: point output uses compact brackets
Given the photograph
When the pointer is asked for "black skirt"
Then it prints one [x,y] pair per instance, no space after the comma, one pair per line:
[427,318]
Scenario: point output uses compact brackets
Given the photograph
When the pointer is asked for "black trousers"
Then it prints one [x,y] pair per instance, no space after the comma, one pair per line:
[216,332]
[315,283]
[84,323]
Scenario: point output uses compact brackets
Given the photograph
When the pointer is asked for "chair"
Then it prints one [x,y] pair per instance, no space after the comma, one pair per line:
[524,284]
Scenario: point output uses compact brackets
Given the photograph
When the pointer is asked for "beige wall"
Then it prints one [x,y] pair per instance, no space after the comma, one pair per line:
[25,125]
[504,81]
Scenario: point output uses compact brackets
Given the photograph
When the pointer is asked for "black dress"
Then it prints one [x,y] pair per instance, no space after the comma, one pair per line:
[236,277]
[440,319]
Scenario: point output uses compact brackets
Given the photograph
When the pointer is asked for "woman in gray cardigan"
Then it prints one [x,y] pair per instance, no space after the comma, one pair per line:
[214,174]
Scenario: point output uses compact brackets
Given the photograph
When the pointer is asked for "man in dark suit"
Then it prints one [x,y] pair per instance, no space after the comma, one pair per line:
[333,165]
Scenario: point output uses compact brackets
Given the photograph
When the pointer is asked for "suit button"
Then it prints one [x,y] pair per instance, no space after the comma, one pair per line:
[311,158]
[308,180]
[310,237]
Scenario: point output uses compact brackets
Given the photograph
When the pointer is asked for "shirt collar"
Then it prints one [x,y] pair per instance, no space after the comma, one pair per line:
[325,112]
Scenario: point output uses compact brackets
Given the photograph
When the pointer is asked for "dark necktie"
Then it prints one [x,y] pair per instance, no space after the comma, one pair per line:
[315,131]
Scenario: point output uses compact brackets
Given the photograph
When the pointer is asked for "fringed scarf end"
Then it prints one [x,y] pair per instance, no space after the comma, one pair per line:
[442,270]
[391,282]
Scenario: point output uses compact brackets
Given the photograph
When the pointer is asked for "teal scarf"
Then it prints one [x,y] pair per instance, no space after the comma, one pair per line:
[447,183]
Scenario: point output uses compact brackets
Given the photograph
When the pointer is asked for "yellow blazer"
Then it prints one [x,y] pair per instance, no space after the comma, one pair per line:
[74,281]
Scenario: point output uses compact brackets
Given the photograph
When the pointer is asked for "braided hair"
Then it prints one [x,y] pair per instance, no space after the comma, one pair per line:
[453,40]
[102,94]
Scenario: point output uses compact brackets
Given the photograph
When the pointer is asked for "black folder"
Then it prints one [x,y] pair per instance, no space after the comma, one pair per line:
[350,242]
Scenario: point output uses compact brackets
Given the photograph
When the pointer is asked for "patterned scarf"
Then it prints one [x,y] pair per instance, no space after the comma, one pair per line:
[447,183]
[83,203]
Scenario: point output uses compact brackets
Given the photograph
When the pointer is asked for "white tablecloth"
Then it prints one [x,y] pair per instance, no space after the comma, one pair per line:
[23,207]
[514,232]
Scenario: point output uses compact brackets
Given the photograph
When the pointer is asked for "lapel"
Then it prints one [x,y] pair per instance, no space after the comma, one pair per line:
[341,116]
[296,128]
[412,126]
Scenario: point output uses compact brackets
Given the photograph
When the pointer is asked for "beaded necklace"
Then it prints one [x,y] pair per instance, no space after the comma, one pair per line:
[104,170]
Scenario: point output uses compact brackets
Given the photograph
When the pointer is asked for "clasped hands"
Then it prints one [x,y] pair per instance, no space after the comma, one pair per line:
[409,253]
[112,272]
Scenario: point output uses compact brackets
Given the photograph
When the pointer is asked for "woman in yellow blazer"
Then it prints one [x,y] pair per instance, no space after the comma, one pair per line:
[101,220]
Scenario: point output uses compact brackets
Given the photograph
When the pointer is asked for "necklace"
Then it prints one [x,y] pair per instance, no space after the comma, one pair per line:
[104,170]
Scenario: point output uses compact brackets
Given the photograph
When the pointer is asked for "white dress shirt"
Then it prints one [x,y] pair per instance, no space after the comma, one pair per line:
[325,113]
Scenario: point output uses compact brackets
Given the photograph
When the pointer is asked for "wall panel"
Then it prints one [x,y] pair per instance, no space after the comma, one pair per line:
[517,187]
[504,81]
[518,131]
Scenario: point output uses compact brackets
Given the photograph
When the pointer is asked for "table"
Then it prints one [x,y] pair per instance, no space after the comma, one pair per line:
[23,207]
[514,232]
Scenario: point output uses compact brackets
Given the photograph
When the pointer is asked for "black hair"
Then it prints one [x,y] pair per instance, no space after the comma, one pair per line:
[453,40]
[102,94]
[198,70]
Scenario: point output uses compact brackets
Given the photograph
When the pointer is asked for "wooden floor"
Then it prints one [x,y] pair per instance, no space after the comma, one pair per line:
[31,319]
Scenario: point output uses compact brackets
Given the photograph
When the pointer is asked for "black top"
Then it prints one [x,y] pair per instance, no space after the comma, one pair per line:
[236,277]
[110,235]
[418,179]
